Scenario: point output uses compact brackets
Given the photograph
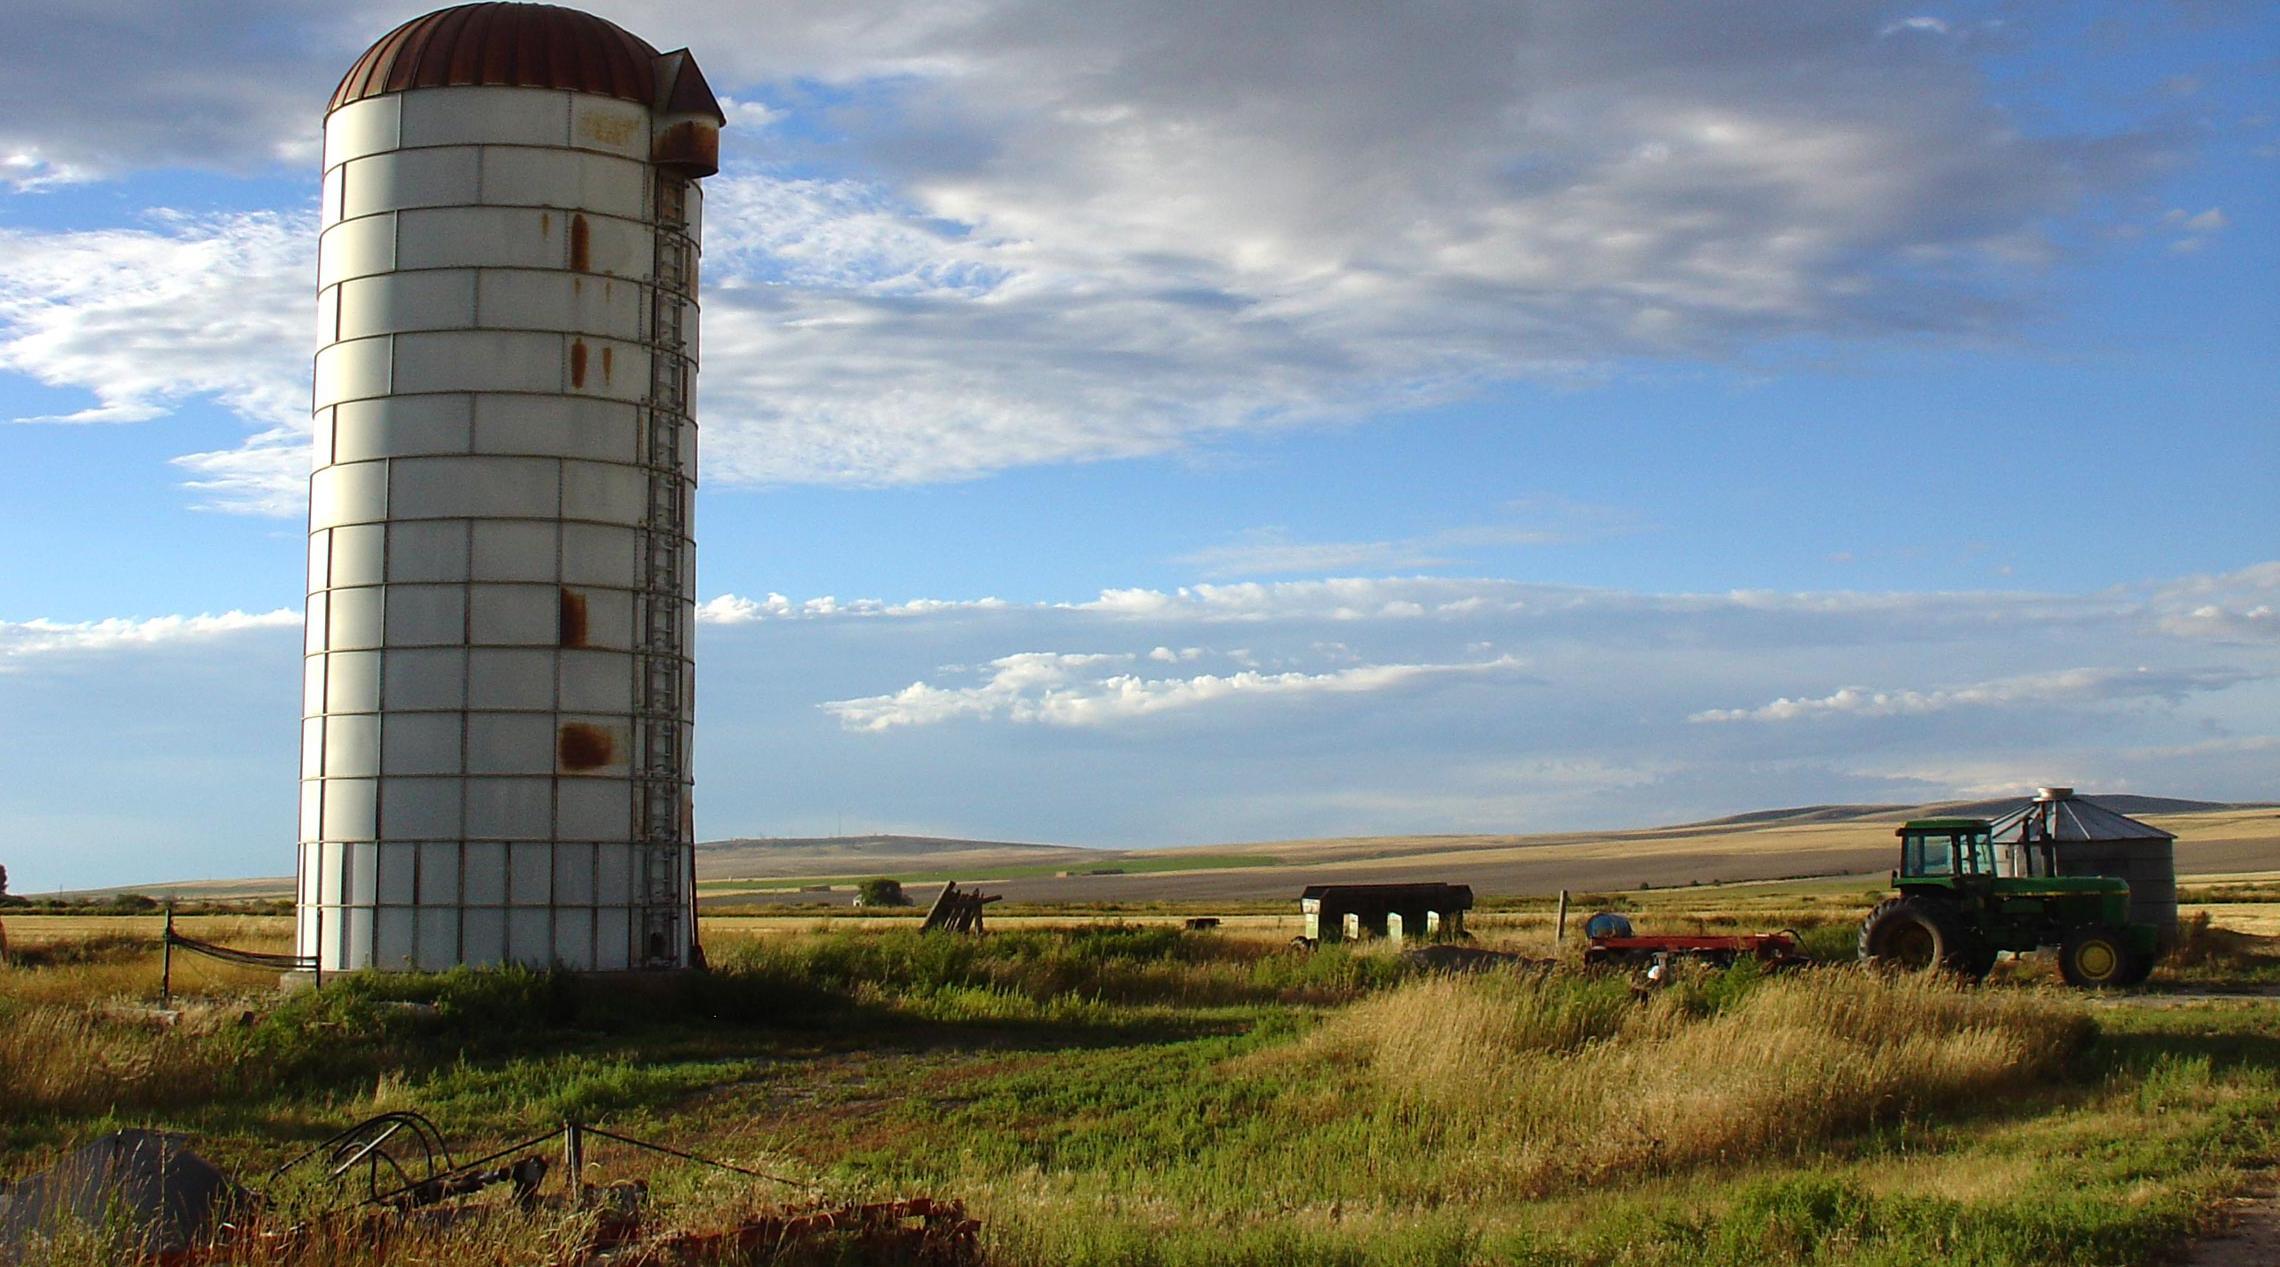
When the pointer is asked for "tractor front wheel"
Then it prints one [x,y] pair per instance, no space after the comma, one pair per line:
[2097,959]
[1916,935]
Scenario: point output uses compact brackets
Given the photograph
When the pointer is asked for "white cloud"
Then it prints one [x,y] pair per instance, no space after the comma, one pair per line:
[1271,552]
[1536,521]
[2219,623]
[21,640]
[1922,25]
[1411,599]
[2241,607]
[735,609]
[1058,689]
[1037,234]
[2085,685]
[146,318]
[2194,230]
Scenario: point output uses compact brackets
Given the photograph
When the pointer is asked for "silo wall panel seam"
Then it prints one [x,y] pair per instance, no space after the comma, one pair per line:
[564,180]
[398,302]
[445,176]
[352,369]
[480,361]
[566,302]
[362,127]
[484,116]
[351,682]
[586,428]
[359,555]
[356,248]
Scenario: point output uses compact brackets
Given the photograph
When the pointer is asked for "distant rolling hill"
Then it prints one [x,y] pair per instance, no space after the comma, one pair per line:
[868,855]
[2213,838]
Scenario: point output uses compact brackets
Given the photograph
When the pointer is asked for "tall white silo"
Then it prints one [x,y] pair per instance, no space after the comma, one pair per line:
[495,753]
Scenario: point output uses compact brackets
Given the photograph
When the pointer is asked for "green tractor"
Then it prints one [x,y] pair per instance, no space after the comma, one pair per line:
[1955,912]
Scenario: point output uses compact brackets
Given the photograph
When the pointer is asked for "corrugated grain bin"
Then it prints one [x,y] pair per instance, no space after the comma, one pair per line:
[2082,837]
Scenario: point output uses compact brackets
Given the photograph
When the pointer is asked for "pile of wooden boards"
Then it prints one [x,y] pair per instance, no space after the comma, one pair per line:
[957,910]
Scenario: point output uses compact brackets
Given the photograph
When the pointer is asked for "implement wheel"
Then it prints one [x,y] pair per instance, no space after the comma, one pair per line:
[1914,935]
[2098,959]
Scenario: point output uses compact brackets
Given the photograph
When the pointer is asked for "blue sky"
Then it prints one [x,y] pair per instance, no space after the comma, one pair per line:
[1140,425]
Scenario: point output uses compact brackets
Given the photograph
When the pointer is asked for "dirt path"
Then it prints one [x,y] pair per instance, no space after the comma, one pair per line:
[2252,1237]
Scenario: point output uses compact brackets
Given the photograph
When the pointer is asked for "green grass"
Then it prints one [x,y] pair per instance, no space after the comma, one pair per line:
[1128,1095]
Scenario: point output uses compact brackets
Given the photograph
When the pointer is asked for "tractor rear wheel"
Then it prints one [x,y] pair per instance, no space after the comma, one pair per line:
[1916,935]
[2097,959]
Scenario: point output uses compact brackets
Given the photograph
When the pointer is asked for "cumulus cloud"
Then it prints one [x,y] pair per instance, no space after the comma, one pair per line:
[2194,230]
[1013,233]
[92,89]
[1538,521]
[735,609]
[1454,601]
[145,318]
[2068,685]
[2232,607]
[22,640]
[1061,689]
[1920,25]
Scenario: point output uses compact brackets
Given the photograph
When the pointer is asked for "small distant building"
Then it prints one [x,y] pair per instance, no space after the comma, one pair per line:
[1350,912]
[2061,834]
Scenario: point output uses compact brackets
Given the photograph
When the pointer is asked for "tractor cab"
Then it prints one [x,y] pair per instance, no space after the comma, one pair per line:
[1946,851]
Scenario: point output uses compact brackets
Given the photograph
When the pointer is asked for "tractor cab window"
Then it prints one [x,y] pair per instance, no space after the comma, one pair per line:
[1975,851]
[1927,855]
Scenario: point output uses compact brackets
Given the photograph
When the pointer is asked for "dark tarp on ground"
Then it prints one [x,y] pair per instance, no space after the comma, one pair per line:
[152,1183]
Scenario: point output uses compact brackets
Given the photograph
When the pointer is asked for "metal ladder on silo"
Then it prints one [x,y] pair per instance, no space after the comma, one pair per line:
[662,704]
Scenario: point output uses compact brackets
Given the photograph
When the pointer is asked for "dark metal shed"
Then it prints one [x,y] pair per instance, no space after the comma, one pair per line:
[1338,912]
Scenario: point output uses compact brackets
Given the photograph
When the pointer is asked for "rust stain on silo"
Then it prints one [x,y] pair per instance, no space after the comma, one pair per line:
[605,364]
[581,246]
[545,224]
[583,746]
[577,362]
[573,629]
[691,147]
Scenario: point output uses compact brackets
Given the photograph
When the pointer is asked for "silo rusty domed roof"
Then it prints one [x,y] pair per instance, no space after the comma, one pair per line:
[524,46]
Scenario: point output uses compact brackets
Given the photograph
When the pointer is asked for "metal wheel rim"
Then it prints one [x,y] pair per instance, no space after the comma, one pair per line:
[2097,960]
[1913,946]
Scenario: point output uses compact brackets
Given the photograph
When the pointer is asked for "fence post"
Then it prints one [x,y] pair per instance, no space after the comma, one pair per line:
[166,959]
[574,1161]
[1559,934]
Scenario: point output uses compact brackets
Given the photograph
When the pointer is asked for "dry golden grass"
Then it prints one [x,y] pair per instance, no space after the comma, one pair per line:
[497,1235]
[1557,1081]
[76,1060]
[78,1034]
[72,959]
